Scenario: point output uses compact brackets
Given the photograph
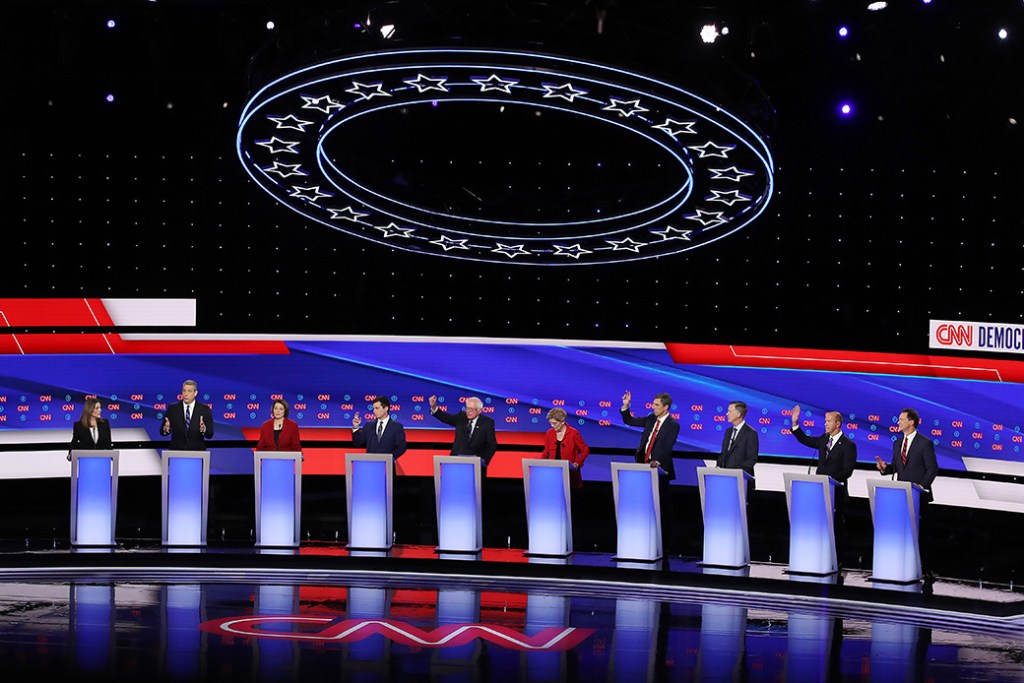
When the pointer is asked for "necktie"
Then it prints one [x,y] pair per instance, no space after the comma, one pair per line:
[828,448]
[650,444]
[904,453]
[380,429]
[188,415]
[469,428]
[732,438]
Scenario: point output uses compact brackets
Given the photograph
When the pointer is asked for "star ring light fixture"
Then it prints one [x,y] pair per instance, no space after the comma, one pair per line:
[720,169]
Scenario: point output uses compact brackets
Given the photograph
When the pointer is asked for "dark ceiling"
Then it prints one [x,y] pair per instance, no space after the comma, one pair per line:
[907,210]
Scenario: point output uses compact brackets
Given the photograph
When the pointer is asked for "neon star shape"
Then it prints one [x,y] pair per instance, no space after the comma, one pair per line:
[284,170]
[710,149]
[728,198]
[511,250]
[310,194]
[732,173]
[324,104]
[573,251]
[494,83]
[367,91]
[424,83]
[277,146]
[676,128]
[566,91]
[626,244]
[291,121]
[709,219]
[670,233]
[392,230]
[625,108]
[347,214]
[447,243]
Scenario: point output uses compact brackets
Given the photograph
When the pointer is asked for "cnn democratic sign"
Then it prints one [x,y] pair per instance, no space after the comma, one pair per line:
[949,334]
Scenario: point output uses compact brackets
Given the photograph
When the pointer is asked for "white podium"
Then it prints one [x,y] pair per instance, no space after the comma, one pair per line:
[185,497]
[548,511]
[93,497]
[895,513]
[637,512]
[369,488]
[811,501]
[457,501]
[723,500]
[278,480]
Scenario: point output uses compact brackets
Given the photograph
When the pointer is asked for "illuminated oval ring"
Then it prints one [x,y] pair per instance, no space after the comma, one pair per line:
[726,169]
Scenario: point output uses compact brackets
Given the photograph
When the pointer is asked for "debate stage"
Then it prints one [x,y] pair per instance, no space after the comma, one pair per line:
[231,612]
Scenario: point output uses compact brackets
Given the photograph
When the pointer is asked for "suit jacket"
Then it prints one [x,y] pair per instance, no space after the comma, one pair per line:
[574,450]
[190,439]
[840,463]
[391,441]
[743,454]
[81,437]
[664,442]
[288,441]
[484,442]
[922,467]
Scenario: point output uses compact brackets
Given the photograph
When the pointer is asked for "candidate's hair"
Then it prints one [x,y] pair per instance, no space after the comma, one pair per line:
[912,416]
[741,407]
[383,401]
[87,409]
[281,401]
[557,414]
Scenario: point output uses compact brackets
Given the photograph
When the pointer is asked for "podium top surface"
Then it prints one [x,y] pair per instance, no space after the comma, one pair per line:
[723,472]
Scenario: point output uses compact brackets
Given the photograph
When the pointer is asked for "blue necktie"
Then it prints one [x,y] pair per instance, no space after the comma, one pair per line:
[188,415]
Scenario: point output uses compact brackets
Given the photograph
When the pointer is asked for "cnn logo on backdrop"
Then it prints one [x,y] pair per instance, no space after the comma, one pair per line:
[948,334]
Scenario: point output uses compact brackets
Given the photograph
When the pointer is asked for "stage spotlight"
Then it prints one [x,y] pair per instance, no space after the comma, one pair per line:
[111,23]
[843,31]
[270,25]
[110,97]
[846,109]
[709,33]
[387,30]
[1002,34]
[875,6]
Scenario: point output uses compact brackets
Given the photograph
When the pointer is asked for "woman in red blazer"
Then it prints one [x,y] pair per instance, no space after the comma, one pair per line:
[562,442]
[279,433]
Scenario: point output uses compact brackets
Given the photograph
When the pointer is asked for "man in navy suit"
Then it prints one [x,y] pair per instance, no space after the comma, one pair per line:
[655,449]
[913,460]
[740,443]
[474,431]
[383,434]
[837,458]
[188,422]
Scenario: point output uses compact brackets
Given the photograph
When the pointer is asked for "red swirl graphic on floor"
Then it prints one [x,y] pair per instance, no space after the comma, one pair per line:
[352,630]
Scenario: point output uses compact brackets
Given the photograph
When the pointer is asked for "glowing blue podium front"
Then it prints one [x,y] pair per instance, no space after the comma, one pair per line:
[637,512]
[548,513]
[895,513]
[369,489]
[457,496]
[93,497]
[723,500]
[278,480]
[185,500]
[811,501]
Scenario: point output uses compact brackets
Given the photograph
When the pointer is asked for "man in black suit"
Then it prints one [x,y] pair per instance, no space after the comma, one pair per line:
[913,460]
[655,449]
[383,434]
[188,422]
[837,458]
[474,431]
[740,443]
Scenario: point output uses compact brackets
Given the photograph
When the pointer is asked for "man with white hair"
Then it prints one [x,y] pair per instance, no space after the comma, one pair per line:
[474,431]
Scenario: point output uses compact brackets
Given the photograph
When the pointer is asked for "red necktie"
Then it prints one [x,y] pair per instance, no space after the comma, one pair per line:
[650,444]
[904,453]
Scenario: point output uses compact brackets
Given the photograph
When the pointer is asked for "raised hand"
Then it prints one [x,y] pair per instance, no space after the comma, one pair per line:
[356,421]
[626,399]
[796,416]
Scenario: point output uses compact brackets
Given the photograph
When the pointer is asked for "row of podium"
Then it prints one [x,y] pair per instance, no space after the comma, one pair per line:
[895,509]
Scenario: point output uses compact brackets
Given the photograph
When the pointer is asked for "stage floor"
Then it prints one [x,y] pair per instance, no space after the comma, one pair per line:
[320,612]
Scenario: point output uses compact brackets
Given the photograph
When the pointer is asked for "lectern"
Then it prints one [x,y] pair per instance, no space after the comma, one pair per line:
[457,499]
[723,499]
[895,513]
[637,512]
[810,499]
[93,497]
[548,511]
[278,480]
[369,485]
[185,484]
